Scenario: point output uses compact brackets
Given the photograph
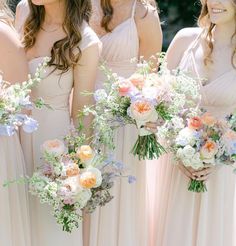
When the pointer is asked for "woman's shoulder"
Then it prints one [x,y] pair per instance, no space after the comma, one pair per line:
[146,13]
[89,37]
[187,35]
[9,37]
[147,19]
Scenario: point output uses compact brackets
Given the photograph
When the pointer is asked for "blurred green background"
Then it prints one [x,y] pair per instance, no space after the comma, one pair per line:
[175,14]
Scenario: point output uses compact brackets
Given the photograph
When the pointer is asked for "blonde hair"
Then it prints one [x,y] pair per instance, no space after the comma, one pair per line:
[205,23]
[5,12]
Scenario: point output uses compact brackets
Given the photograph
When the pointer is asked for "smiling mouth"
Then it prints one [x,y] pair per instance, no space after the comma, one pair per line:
[218,11]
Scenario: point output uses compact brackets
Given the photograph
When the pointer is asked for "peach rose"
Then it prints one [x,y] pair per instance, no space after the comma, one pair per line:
[85,153]
[195,123]
[209,150]
[88,180]
[124,87]
[55,147]
[143,110]
[72,170]
[208,119]
[137,80]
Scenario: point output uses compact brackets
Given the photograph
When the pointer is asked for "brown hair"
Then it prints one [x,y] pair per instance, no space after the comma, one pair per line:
[205,23]
[108,12]
[63,51]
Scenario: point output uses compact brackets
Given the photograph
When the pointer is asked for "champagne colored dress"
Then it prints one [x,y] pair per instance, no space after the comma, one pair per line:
[55,89]
[122,222]
[14,211]
[182,218]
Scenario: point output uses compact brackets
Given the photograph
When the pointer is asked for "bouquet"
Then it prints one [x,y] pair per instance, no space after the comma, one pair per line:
[74,178]
[205,141]
[145,97]
[14,98]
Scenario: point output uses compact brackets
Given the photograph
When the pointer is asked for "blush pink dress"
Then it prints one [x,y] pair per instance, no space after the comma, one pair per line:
[182,218]
[122,222]
[55,88]
[14,209]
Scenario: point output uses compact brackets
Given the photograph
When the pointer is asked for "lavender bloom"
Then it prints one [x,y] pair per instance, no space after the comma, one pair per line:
[100,94]
[119,165]
[131,179]
[30,125]
[25,102]
[6,130]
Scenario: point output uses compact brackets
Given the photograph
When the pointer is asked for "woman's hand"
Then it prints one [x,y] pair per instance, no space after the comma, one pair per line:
[187,171]
[153,126]
[205,173]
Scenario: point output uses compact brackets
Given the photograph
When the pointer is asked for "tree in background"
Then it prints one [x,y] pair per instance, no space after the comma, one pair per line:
[177,14]
[12,4]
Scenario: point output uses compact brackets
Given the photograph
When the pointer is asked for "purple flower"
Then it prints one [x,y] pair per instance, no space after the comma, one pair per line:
[30,125]
[7,130]
[131,179]
[47,169]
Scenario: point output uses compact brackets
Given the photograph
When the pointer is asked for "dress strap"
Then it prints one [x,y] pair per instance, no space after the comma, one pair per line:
[134,8]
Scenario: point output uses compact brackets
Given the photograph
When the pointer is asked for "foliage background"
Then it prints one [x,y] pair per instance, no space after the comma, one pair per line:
[175,14]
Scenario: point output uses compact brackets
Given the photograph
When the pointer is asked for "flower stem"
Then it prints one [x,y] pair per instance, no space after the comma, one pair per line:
[197,186]
[147,147]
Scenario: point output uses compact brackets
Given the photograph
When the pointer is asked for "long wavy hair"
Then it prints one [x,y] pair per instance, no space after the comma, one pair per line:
[5,13]
[108,11]
[63,55]
[208,27]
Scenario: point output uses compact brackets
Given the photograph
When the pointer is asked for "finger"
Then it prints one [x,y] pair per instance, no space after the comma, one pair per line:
[151,125]
[150,129]
[204,178]
[203,172]
[185,171]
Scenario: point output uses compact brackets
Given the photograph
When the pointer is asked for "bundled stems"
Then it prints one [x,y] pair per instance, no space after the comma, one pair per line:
[197,186]
[147,147]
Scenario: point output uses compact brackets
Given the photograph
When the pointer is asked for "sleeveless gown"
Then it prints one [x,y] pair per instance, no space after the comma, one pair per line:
[122,222]
[14,209]
[14,212]
[180,217]
[55,89]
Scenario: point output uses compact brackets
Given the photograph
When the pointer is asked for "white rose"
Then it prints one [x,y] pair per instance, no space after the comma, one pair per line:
[186,137]
[73,183]
[55,147]
[197,162]
[188,151]
[83,197]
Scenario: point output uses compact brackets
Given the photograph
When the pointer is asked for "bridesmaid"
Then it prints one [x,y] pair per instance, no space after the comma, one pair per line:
[58,29]
[14,214]
[128,29]
[182,217]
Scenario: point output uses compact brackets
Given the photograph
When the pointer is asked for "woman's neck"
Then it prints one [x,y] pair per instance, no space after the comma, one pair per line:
[54,13]
[223,33]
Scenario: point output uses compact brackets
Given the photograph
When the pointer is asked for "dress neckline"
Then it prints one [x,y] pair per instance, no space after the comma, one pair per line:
[117,27]
[190,50]
[37,58]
